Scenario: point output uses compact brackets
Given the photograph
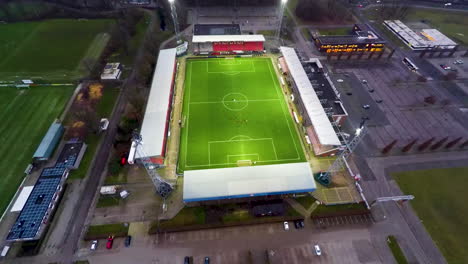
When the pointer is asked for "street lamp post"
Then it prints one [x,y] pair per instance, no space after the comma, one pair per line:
[280,22]
[174,19]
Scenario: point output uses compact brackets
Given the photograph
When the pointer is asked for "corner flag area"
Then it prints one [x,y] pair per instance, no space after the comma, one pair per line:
[235,115]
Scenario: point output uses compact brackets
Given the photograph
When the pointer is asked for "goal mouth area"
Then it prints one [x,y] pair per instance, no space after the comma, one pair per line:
[243,163]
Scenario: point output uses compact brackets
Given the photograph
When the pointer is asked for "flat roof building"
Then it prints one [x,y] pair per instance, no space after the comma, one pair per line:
[361,39]
[216,29]
[49,142]
[422,40]
[227,44]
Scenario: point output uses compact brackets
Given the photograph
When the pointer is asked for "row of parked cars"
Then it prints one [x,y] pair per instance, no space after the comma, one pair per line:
[110,242]
[298,224]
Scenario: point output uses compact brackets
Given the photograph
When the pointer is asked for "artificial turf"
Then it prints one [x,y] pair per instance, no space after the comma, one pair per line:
[234,110]
[25,117]
[440,202]
[50,49]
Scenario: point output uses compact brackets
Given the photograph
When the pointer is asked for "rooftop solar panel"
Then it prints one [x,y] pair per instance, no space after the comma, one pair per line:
[30,219]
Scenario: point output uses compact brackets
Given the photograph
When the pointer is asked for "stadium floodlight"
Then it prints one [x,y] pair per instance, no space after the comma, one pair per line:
[174,18]
[280,18]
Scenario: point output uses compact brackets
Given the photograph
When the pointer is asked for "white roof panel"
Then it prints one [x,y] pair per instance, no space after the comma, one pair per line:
[322,125]
[225,183]
[153,129]
[22,198]
[219,38]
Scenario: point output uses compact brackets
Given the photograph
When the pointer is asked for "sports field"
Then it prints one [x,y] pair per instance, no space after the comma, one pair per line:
[440,202]
[25,117]
[235,114]
[51,49]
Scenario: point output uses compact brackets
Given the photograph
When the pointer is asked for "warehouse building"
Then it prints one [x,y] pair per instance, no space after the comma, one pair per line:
[420,40]
[361,39]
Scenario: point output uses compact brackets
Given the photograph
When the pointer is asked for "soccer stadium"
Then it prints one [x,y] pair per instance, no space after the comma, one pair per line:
[239,132]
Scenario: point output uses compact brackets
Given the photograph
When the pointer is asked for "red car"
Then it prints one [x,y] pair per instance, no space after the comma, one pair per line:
[110,241]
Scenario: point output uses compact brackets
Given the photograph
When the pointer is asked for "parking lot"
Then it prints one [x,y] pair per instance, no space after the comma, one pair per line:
[325,222]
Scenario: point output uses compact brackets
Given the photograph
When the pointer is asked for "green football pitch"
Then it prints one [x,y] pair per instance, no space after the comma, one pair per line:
[51,49]
[235,114]
[25,117]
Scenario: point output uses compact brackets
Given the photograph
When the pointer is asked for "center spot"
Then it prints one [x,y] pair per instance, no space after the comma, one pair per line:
[235,101]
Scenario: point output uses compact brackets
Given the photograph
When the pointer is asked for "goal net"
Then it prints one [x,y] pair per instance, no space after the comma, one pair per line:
[241,163]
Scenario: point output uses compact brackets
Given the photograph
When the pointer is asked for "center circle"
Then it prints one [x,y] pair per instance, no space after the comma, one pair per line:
[235,101]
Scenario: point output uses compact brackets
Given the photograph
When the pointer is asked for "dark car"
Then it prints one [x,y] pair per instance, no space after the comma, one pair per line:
[128,240]
[301,223]
[296,224]
[207,260]
[187,260]
[110,242]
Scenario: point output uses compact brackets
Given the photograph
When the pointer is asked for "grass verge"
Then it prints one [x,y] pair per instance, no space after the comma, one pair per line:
[441,205]
[339,209]
[107,201]
[103,231]
[396,250]
[306,201]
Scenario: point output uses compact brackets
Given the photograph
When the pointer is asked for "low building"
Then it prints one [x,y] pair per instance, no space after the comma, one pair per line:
[420,40]
[362,39]
[112,71]
[312,105]
[49,142]
[36,204]
[216,29]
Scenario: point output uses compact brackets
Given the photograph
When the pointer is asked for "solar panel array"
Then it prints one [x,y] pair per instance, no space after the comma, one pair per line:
[36,209]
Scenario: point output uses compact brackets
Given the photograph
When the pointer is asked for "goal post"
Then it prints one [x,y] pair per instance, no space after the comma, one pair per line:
[242,163]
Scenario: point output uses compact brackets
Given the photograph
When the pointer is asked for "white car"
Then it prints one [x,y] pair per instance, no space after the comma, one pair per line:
[318,252]
[94,245]
[286,226]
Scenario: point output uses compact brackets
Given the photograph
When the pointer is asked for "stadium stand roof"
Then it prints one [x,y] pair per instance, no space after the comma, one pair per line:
[227,38]
[155,122]
[216,29]
[22,198]
[322,125]
[249,181]
[49,142]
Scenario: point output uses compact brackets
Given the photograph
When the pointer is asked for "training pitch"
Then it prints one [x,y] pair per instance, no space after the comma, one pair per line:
[25,117]
[52,49]
[235,114]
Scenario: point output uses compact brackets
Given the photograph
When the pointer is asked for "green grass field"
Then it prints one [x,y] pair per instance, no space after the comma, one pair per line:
[440,202]
[50,49]
[234,110]
[25,117]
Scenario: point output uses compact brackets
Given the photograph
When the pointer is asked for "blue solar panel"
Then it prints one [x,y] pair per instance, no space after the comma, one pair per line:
[30,219]
[53,172]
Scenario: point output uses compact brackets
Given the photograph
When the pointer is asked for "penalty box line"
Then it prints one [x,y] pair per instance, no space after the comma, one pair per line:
[240,140]
[248,101]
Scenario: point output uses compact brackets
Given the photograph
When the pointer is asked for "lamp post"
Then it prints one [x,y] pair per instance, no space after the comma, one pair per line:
[281,14]
[174,19]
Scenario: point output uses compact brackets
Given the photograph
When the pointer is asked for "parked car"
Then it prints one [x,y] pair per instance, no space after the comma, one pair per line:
[301,223]
[110,242]
[366,106]
[445,67]
[458,62]
[318,252]
[207,260]
[286,226]
[187,260]
[128,240]
[94,245]
[364,81]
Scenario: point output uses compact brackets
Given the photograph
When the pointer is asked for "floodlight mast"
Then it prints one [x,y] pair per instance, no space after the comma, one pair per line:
[361,131]
[163,188]
[280,18]
[174,19]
